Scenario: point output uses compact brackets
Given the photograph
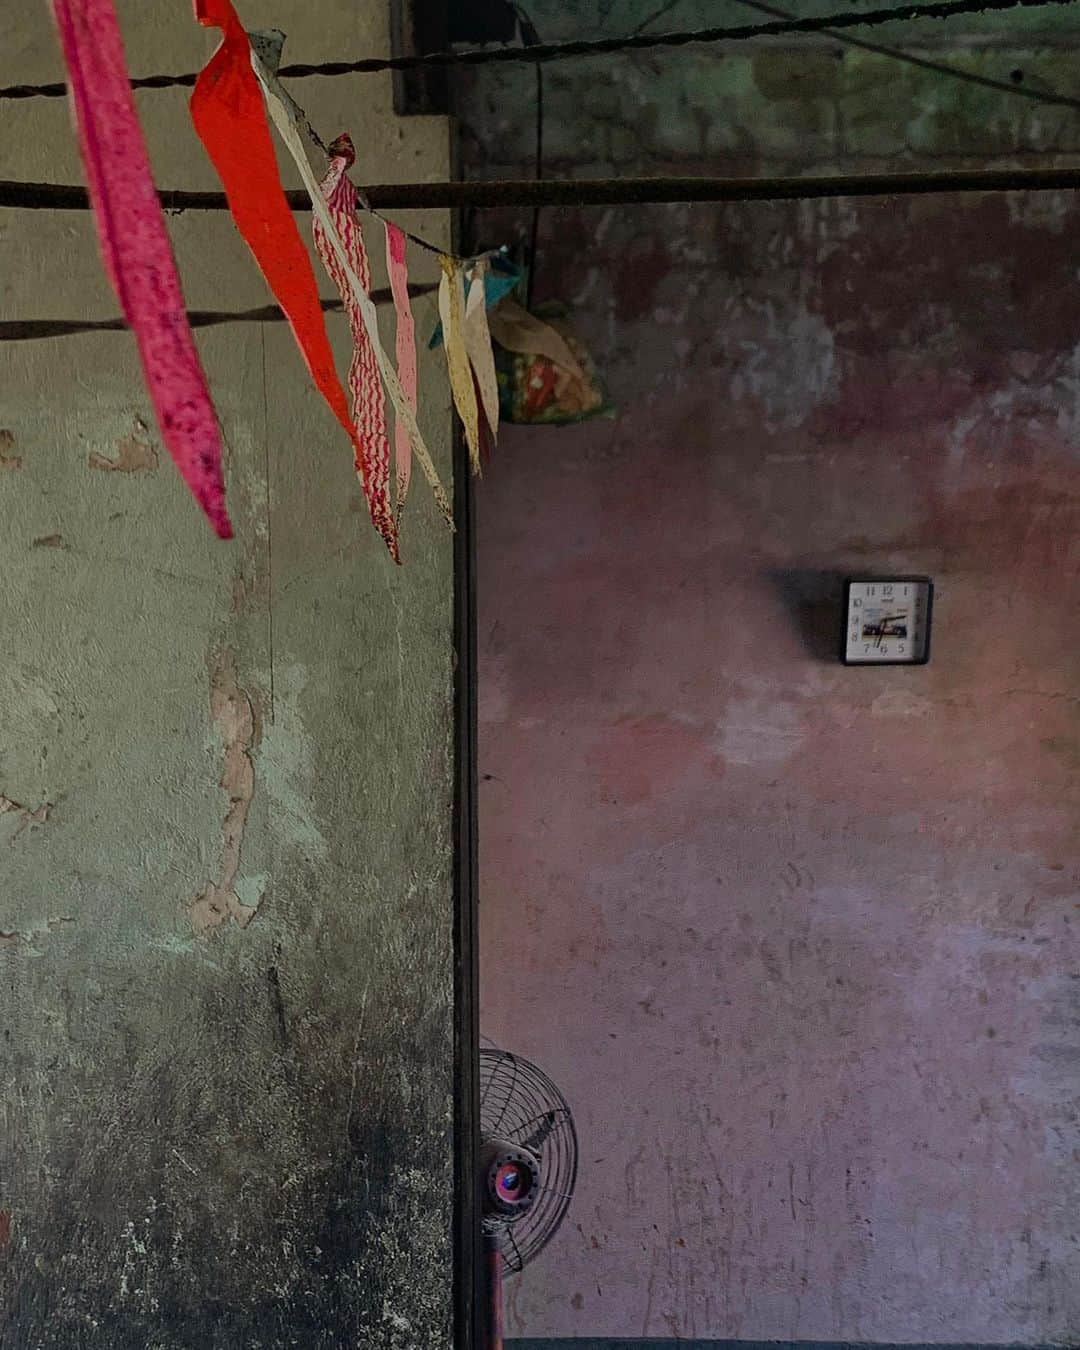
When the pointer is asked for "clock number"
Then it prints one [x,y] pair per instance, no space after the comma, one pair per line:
[857,604]
[901,648]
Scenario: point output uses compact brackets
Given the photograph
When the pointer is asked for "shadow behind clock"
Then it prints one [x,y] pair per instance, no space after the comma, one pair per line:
[813,598]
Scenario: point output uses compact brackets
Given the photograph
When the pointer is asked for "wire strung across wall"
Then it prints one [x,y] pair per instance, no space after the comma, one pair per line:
[559,51]
[572,192]
[575,192]
[1013,86]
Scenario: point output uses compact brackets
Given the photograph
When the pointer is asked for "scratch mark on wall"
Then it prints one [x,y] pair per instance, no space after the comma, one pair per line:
[134,454]
[7,459]
[5,1230]
[184,1162]
[234,718]
[25,815]
[49,541]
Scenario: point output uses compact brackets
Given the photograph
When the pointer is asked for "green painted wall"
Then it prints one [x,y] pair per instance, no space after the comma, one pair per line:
[225,792]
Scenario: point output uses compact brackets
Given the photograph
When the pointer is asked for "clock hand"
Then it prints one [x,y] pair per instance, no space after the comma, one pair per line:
[884,621]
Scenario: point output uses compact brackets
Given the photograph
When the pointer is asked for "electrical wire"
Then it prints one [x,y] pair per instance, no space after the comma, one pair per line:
[531,38]
[559,51]
[657,14]
[924,63]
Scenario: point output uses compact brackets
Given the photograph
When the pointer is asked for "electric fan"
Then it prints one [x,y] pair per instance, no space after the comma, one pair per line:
[528,1166]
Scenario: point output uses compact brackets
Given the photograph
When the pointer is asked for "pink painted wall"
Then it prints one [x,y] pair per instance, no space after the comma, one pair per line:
[799,942]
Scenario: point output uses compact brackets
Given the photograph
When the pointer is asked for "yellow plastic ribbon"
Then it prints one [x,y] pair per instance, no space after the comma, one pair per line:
[478,346]
[452,313]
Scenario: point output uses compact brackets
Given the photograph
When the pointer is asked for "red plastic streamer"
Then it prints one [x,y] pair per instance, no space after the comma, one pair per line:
[135,246]
[365,381]
[230,118]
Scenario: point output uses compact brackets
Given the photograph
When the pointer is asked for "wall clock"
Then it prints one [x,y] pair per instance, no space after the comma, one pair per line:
[887,621]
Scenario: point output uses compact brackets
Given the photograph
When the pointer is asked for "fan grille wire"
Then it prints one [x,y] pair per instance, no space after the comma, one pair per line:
[520,1103]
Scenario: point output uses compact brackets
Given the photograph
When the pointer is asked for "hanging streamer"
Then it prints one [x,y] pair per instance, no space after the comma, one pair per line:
[513,327]
[228,113]
[478,346]
[452,313]
[290,134]
[369,400]
[135,246]
[405,351]
[501,276]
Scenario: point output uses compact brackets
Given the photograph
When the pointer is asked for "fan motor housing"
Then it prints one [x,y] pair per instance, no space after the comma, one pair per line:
[509,1178]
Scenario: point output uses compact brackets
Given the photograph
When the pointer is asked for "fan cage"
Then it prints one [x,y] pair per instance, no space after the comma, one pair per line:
[520,1104]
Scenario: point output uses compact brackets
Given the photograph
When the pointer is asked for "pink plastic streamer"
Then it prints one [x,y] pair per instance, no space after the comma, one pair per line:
[135,246]
[398,271]
[365,382]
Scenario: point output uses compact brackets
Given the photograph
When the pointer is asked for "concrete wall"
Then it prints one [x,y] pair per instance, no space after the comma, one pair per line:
[225,900]
[799,942]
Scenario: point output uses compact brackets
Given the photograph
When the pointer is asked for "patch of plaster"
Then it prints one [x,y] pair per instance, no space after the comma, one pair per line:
[7,459]
[134,454]
[783,357]
[901,703]
[286,766]
[1039,210]
[758,729]
[234,719]
[25,816]
[1028,397]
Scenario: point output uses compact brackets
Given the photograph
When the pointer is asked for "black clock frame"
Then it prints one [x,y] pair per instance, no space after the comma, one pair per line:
[892,581]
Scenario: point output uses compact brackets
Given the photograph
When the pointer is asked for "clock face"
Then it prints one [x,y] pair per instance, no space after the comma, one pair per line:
[887,621]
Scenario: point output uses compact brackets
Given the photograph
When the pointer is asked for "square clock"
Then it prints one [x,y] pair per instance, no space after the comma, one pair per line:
[887,621]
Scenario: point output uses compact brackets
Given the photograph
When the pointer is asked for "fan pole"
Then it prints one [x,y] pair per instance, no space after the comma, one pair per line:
[493,1274]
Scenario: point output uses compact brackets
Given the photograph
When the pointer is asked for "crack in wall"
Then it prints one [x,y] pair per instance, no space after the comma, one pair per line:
[231,709]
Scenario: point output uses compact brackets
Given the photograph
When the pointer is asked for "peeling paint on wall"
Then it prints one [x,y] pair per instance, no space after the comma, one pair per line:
[7,459]
[234,719]
[134,454]
[197,1145]
[24,815]
[28,937]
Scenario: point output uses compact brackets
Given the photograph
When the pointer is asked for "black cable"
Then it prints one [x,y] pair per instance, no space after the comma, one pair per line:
[923,63]
[534,228]
[575,192]
[531,38]
[559,51]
